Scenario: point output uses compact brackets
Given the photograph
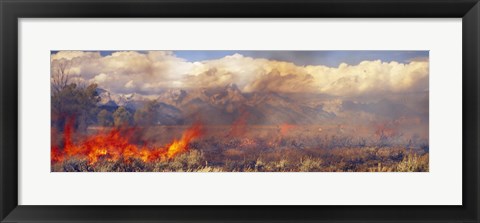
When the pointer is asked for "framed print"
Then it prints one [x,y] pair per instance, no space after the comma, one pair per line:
[239,111]
[217,118]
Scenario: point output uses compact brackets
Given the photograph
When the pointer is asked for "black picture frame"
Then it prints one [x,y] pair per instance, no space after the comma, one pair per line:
[12,10]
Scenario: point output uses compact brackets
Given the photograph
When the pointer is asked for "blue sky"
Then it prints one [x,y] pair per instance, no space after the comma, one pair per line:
[328,58]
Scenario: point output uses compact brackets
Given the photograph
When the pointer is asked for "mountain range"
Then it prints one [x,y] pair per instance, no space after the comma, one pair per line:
[228,104]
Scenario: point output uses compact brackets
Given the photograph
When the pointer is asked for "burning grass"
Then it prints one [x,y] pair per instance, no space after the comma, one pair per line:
[114,145]
[193,153]
[337,160]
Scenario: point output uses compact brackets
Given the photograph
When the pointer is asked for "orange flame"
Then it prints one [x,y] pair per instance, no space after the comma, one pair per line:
[114,146]
[180,146]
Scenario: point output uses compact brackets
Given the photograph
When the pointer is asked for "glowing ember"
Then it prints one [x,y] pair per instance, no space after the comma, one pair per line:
[113,146]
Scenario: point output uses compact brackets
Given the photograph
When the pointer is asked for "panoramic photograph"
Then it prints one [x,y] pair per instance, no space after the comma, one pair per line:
[239,111]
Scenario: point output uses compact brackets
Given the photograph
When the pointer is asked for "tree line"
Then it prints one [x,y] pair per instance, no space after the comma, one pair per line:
[79,101]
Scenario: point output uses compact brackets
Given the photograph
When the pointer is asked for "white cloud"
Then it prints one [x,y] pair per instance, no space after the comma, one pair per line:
[155,71]
[100,78]
[130,84]
[69,55]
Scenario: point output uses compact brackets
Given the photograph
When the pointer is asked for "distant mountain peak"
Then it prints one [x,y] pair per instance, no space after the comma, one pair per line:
[173,96]
[104,95]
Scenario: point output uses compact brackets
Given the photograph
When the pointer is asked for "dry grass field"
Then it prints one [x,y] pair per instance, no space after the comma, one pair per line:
[285,148]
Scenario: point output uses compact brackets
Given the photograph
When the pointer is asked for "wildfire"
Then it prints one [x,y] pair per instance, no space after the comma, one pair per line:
[114,145]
